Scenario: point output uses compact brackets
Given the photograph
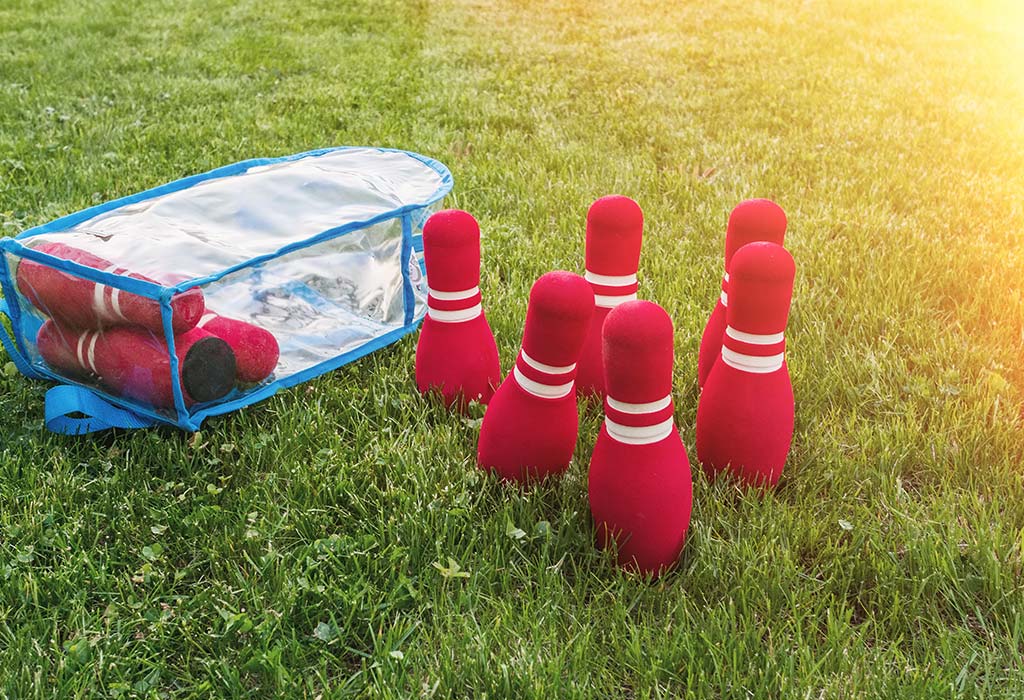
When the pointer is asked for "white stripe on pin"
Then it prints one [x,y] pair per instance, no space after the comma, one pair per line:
[548,369]
[639,408]
[754,364]
[207,317]
[457,316]
[642,435]
[87,357]
[453,296]
[91,352]
[99,305]
[115,297]
[543,391]
[78,350]
[755,338]
[610,280]
[610,302]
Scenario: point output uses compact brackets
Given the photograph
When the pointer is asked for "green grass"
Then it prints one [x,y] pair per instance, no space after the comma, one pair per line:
[289,549]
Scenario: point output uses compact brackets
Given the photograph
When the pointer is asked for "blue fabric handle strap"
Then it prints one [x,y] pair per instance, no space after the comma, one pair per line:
[62,402]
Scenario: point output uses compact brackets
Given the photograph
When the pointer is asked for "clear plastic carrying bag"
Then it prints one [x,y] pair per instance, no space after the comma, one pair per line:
[213,292]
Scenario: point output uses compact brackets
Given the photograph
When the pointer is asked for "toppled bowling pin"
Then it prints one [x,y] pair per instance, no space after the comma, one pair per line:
[745,412]
[134,363]
[751,220]
[256,349]
[530,428]
[640,486]
[615,226]
[456,354]
[81,303]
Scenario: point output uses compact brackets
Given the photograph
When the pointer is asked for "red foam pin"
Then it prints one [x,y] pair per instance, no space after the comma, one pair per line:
[615,227]
[80,303]
[530,428]
[640,485]
[752,220]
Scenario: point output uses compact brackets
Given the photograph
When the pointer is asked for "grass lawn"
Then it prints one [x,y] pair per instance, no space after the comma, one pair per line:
[290,549]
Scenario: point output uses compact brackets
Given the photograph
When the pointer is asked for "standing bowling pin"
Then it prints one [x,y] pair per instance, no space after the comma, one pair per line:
[456,353]
[640,487]
[134,363]
[81,303]
[531,425]
[751,220]
[745,413]
[615,226]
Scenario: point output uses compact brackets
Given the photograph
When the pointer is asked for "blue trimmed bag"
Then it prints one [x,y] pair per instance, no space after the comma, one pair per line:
[319,249]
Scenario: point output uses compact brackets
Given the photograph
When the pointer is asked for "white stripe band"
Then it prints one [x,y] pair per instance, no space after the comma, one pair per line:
[644,435]
[87,357]
[78,350]
[115,302]
[91,353]
[544,391]
[638,408]
[752,363]
[725,278]
[611,302]
[453,296]
[725,298]
[754,338]
[207,317]
[98,303]
[610,280]
[548,369]
[457,316]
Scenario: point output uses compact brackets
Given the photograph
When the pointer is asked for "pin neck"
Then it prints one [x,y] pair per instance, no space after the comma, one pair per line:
[454,307]
[543,380]
[639,423]
[104,308]
[755,353]
[612,290]
[85,351]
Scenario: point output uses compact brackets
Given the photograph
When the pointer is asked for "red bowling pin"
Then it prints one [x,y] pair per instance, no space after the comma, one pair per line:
[456,354]
[751,220]
[530,428]
[256,349]
[745,412]
[133,362]
[80,303]
[640,487]
[615,226]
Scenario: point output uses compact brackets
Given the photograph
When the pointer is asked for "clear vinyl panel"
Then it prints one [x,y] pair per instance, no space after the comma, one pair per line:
[322,301]
[219,223]
[250,328]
